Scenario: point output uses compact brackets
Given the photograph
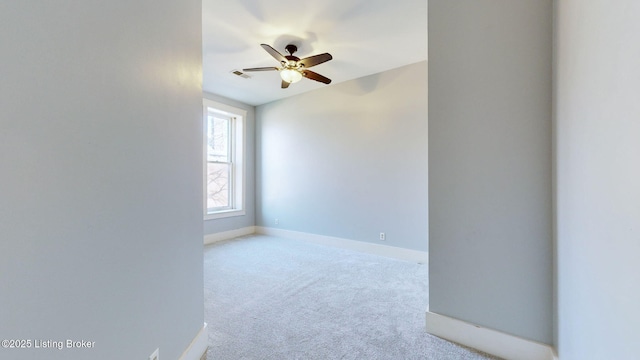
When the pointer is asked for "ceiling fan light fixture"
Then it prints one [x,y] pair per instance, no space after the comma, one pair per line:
[290,75]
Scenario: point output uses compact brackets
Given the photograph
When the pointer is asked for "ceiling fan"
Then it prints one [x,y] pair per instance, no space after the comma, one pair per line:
[293,68]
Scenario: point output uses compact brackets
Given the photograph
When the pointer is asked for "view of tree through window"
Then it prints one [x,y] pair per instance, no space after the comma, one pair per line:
[223,144]
[219,162]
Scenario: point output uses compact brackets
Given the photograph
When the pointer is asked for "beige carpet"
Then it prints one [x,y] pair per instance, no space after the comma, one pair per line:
[273,298]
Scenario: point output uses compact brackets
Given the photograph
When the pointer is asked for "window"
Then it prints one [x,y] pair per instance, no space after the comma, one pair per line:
[224,161]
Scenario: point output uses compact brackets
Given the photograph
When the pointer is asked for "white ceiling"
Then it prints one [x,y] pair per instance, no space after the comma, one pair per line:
[363,36]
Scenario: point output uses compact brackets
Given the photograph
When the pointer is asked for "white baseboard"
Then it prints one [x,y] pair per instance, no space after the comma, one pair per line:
[226,235]
[484,339]
[361,246]
[198,345]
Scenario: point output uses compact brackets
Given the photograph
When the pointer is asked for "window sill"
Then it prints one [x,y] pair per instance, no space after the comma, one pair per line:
[224,214]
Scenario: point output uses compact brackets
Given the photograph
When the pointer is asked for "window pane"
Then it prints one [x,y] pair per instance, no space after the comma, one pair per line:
[218,138]
[218,185]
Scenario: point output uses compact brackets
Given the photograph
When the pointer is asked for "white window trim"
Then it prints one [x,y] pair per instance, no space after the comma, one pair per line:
[240,163]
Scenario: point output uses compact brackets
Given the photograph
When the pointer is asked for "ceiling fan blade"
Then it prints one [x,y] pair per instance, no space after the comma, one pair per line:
[261,69]
[315,76]
[273,52]
[315,60]
[285,84]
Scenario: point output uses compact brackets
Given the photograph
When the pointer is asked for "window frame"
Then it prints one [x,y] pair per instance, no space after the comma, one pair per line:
[229,162]
[237,172]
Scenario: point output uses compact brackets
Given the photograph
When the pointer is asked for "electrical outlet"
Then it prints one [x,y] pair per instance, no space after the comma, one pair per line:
[277,221]
[382,237]
[154,355]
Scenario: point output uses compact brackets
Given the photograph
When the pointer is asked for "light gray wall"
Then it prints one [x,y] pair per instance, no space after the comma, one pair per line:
[490,164]
[238,222]
[349,160]
[598,176]
[101,173]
